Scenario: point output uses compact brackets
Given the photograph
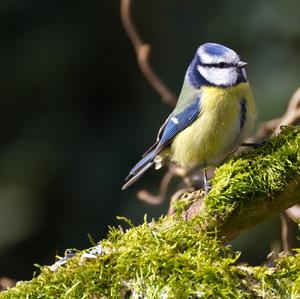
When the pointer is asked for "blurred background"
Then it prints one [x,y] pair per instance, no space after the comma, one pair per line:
[76,113]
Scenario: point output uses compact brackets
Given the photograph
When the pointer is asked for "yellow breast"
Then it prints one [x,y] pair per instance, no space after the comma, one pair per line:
[219,128]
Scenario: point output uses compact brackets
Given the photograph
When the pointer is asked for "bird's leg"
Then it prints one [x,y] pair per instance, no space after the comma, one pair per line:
[207,185]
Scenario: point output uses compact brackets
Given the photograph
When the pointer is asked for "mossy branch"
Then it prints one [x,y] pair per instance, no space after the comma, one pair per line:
[250,189]
[175,258]
[260,209]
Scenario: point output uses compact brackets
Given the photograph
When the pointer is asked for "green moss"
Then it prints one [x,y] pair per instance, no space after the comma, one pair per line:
[152,259]
[263,171]
[163,259]
[170,258]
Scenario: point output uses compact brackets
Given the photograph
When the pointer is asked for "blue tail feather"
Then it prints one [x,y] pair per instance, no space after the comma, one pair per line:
[137,171]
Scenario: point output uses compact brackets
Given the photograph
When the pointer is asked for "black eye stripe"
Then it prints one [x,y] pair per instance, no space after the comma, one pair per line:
[221,65]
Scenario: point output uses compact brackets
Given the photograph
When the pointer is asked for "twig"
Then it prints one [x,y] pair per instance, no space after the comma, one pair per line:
[291,117]
[143,53]
[190,182]
[173,171]
[293,212]
[286,232]
[265,130]
[147,197]
[6,283]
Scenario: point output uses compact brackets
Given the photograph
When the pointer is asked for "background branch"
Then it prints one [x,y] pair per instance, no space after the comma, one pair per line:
[149,198]
[143,53]
[286,232]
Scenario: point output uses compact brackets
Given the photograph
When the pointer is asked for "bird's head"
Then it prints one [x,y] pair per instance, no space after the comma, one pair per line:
[216,65]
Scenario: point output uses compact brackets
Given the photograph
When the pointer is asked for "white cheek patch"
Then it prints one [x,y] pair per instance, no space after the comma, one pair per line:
[217,76]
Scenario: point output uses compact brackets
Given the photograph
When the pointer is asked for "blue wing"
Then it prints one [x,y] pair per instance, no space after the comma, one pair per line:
[173,125]
[177,123]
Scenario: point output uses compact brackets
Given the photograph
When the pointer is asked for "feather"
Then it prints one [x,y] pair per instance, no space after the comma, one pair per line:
[173,125]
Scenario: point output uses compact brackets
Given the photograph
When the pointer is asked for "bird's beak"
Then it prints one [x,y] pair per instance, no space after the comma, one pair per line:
[241,64]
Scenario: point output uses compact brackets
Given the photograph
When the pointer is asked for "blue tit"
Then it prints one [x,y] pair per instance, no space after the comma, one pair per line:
[215,112]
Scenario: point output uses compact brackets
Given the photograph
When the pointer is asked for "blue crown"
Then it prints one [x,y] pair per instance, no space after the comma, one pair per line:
[215,49]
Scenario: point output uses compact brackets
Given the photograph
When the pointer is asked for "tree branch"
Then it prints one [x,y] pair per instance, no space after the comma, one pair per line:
[260,209]
[244,217]
[249,189]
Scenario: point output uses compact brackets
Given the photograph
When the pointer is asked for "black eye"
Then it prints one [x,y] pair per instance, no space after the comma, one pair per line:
[221,65]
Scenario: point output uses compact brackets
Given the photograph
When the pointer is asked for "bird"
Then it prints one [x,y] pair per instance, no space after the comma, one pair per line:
[214,113]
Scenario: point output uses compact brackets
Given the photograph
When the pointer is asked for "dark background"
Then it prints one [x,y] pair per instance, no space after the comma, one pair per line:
[76,113]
